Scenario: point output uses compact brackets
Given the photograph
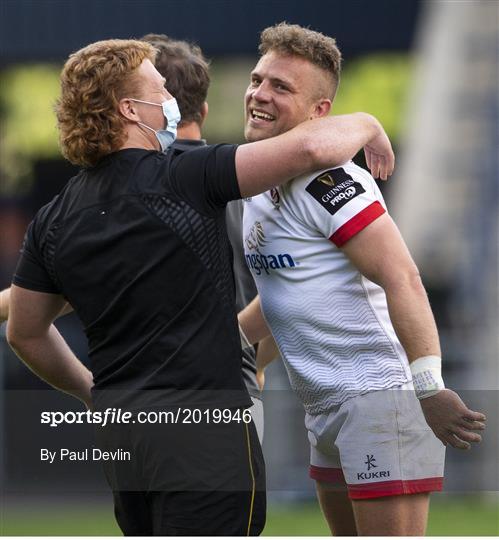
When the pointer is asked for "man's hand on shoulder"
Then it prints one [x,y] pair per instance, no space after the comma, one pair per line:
[379,155]
[451,420]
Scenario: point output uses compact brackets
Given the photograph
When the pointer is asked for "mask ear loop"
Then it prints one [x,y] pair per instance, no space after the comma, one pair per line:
[168,134]
[147,127]
[146,102]
[150,103]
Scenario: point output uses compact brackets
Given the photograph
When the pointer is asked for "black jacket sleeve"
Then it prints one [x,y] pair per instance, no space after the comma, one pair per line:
[31,271]
[206,177]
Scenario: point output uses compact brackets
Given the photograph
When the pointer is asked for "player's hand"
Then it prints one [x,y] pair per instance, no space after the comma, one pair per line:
[379,155]
[451,421]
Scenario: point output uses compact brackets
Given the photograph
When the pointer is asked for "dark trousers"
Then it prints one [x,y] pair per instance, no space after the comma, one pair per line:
[187,479]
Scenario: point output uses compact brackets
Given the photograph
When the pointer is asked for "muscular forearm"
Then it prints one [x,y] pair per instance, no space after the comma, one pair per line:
[334,140]
[252,322]
[267,352]
[449,418]
[49,356]
[380,254]
[313,145]
[412,318]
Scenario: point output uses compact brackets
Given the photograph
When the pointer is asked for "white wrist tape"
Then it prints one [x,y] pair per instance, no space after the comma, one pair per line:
[427,376]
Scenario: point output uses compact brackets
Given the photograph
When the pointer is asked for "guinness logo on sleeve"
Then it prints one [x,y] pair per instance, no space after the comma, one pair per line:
[327,179]
[333,189]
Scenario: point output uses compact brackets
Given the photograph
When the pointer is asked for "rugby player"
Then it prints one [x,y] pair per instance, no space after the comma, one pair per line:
[347,308]
[184,66]
[137,244]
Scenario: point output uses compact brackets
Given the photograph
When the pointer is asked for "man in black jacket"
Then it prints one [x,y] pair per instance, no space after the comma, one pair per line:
[137,244]
[183,65]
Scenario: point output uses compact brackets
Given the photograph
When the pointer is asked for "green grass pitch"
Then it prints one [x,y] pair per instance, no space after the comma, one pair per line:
[449,516]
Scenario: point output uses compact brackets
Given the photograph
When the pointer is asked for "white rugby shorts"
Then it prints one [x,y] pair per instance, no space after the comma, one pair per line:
[377,445]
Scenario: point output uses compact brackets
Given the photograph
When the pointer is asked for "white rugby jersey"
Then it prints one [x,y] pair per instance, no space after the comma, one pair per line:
[331,323]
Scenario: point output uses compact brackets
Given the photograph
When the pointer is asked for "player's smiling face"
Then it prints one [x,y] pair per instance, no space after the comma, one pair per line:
[283,92]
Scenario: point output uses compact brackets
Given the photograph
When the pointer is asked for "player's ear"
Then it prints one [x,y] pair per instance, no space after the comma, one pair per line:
[128,109]
[321,108]
[204,112]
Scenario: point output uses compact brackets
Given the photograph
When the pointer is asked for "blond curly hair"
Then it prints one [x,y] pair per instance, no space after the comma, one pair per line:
[295,40]
[93,81]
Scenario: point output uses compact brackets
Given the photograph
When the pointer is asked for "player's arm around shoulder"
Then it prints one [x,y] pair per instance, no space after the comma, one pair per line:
[312,145]
[379,252]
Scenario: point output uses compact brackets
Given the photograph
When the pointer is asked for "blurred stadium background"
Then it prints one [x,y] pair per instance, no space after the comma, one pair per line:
[427,70]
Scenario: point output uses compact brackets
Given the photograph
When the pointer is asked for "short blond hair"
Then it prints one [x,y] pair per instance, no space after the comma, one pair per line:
[295,40]
[93,81]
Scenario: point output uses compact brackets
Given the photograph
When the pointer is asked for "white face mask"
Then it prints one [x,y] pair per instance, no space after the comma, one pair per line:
[171,113]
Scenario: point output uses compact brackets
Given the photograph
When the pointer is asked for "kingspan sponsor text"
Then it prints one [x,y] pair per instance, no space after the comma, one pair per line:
[259,262]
